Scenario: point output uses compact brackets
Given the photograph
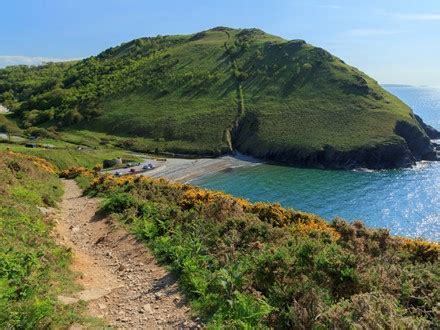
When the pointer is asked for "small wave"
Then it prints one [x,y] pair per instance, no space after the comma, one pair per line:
[365,170]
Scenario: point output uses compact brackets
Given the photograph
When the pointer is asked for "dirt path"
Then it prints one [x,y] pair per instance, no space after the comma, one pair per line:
[121,280]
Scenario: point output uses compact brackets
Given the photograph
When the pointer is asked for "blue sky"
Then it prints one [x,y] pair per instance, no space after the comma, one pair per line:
[394,41]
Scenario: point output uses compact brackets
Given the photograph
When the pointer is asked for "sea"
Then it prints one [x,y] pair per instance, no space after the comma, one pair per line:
[405,201]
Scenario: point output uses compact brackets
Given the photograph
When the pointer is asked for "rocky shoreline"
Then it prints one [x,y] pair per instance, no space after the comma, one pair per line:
[416,144]
[378,158]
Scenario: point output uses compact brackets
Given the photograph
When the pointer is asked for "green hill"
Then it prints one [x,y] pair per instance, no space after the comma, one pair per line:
[224,90]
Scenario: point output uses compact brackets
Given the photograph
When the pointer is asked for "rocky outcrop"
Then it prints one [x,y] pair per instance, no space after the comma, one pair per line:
[379,157]
[430,131]
[417,140]
[414,145]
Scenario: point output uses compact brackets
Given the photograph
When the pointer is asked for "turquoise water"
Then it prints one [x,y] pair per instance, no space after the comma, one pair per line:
[405,201]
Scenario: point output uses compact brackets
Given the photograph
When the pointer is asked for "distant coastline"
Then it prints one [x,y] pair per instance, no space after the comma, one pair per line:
[396,85]
[408,86]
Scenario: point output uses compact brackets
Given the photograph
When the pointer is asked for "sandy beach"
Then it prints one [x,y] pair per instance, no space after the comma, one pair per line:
[184,170]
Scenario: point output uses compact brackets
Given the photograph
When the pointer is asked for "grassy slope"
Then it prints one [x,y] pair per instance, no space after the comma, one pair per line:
[328,102]
[180,94]
[194,109]
[64,158]
[67,153]
[7,125]
[313,111]
[33,269]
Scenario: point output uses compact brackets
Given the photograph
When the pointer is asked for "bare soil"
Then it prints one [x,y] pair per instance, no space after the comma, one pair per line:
[122,282]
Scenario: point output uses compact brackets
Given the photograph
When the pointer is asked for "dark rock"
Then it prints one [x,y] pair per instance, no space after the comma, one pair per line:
[413,145]
[430,131]
[386,156]
[418,143]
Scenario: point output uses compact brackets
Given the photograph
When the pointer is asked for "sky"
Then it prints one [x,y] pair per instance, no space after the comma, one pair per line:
[394,41]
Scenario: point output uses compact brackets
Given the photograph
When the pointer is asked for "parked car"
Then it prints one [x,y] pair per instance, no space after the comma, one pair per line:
[118,173]
[145,167]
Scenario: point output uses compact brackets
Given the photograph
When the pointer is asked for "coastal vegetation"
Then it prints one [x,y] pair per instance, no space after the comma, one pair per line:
[245,265]
[33,268]
[64,150]
[220,91]
[63,158]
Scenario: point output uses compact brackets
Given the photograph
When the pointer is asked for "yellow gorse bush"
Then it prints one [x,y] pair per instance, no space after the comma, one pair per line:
[73,172]
[189,197]
[312,227]
[422,249]
[194,197]
[37,161]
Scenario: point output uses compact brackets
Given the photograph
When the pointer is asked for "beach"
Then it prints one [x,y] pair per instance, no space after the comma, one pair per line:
[184,170]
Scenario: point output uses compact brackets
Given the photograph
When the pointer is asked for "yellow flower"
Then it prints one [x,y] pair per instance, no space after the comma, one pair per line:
[37,161]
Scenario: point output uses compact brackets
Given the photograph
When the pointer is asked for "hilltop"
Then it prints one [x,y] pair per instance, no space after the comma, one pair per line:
[220,91]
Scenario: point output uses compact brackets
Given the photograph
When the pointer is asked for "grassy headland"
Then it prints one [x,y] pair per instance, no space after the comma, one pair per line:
[222,90]
[247,265]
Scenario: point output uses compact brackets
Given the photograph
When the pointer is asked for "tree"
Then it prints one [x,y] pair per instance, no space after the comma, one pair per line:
[72,117]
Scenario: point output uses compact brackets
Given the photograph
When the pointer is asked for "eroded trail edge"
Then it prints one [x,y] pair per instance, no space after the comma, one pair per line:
[121,281]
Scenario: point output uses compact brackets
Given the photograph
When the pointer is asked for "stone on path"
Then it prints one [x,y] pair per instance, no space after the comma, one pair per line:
[67,300]
[92,294]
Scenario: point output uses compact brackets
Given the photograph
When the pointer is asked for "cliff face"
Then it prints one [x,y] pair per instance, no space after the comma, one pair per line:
[386,156]
[418,142]
[414,144]
[432,133]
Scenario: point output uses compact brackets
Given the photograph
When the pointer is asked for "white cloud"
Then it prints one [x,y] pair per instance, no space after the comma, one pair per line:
[417,17]
[6,60]
[370,32]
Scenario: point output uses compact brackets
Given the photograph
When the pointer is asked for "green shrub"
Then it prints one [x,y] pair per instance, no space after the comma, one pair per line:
[370,311]
[40,132]
[118,203]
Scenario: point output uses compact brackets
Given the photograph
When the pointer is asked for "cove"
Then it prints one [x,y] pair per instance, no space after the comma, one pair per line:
[405,201]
